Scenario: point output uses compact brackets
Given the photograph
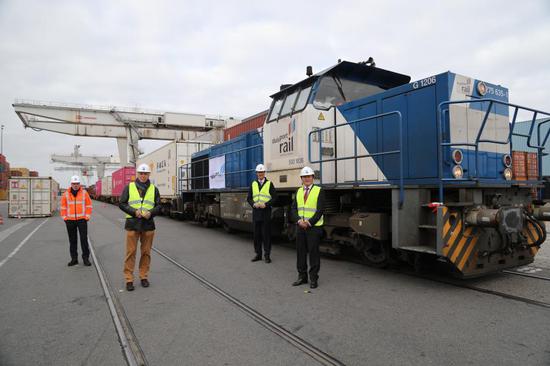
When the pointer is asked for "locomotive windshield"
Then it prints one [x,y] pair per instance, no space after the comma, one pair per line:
[334,91]
[293,102]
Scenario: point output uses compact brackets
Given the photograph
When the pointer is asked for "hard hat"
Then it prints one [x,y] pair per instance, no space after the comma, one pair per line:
[306,171]
[75,179]
[260,168]
[143,168]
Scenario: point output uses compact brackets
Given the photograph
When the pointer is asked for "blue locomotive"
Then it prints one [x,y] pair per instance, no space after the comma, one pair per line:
[414,170]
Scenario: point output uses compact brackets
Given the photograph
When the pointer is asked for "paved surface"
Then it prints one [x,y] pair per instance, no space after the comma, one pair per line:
[359,315]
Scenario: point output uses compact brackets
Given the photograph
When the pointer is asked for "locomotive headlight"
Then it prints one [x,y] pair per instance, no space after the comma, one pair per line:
[507,174]
[457,156]
[507,160]
[458,172]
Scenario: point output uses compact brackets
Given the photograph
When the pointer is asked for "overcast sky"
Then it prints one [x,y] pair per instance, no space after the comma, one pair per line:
[228,57]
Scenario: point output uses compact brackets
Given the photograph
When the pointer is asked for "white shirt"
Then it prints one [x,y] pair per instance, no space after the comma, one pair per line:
[261,182]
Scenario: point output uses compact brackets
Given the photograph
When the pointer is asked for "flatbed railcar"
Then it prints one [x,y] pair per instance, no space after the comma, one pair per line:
[414,170]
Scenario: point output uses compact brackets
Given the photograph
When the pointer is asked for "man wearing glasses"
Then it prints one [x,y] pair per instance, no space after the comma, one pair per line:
[140,200]
[76,210]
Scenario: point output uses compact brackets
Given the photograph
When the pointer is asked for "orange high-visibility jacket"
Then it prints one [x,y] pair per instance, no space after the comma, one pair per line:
[76,208]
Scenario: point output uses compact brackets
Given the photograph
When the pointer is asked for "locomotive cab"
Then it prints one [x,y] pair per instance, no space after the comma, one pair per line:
[311,104]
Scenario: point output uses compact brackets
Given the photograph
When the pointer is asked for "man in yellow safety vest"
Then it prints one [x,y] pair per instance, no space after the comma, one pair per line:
[140,200]
[261,196]
[307,211]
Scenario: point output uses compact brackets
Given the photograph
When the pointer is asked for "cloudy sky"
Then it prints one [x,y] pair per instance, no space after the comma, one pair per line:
[228,57]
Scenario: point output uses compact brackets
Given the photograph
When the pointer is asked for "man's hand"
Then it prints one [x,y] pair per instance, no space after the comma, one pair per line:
[262,205]
[146,214]
[255,205]
[302,224]
[138,213]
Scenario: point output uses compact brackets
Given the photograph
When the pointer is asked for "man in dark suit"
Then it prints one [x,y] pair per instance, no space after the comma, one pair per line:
[307,211]
[261,196]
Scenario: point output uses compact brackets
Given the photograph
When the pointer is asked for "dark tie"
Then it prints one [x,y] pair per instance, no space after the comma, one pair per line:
[306,193]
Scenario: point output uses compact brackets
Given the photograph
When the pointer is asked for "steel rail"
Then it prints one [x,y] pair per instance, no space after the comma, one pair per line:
[322,357]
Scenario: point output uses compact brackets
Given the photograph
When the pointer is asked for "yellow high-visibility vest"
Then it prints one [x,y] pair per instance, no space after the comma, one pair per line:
[307,209]
[135,200]
[261,196]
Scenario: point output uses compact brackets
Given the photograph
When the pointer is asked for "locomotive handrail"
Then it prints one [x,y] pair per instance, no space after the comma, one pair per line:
[440,139]
[355,157]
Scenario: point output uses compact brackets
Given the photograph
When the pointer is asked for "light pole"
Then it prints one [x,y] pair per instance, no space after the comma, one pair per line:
[2,140]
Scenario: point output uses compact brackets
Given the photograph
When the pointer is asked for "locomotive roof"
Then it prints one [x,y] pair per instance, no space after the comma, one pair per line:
[383,78]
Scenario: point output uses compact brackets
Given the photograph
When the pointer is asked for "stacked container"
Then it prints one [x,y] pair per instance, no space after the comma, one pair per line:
[19,172]
[121,178]
[519,167]
[532,166]
[251,123]
[4,176]
[32,197]
[98,189]
[242,154]
[33,173]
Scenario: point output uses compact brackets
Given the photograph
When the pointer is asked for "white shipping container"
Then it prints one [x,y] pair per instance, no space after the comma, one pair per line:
[165,163]
[107,186]
[32,196]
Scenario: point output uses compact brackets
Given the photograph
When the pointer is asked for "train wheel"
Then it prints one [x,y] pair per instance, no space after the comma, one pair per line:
[375,253]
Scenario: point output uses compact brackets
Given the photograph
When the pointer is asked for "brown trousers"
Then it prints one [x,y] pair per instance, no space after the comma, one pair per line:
[146,239]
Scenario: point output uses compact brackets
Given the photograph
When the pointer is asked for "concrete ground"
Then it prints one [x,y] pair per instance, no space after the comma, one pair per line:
[53,314]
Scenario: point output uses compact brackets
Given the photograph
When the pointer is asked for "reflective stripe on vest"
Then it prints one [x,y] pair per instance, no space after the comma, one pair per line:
[306,210]
[135,200]
[262,195]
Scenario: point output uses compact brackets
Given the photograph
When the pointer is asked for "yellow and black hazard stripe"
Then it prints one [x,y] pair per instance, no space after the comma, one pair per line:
[459,241]
[532,235]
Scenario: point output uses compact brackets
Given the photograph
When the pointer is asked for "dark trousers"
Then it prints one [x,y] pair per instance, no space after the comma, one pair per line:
[82,227]
[262,234]
[307,242]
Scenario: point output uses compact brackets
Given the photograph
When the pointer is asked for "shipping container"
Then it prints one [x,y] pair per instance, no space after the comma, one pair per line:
[15,173]
[165,164]
[98,189]
[32,197]
[242,154]
[33,173]
[24,172]
[520,143]
[107,186]
[251,123]
[121,178]
[3,194]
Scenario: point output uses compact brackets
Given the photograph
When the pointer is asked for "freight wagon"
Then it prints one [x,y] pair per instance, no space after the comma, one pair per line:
[413,170]
[165,163]
[32,197]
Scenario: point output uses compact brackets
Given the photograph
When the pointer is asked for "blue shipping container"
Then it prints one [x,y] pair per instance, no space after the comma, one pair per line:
[242,154]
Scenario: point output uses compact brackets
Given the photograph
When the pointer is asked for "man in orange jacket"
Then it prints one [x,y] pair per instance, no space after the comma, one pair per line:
[76,210]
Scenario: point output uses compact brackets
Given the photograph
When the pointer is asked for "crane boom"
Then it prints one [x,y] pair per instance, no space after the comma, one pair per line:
[127,125]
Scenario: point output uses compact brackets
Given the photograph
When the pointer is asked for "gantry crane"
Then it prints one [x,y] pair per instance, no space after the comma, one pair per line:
[127,125]
[76,159]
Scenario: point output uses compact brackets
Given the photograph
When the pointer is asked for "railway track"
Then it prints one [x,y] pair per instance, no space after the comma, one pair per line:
[133,352]
[131,349]
[523,274]
[320,356]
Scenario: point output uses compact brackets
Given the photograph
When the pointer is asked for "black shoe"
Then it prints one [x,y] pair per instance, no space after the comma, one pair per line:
[267,259]
[145,282]
[299,281]
[72,262]
[313,284]
[129,286]
[86,262]
[256,258]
